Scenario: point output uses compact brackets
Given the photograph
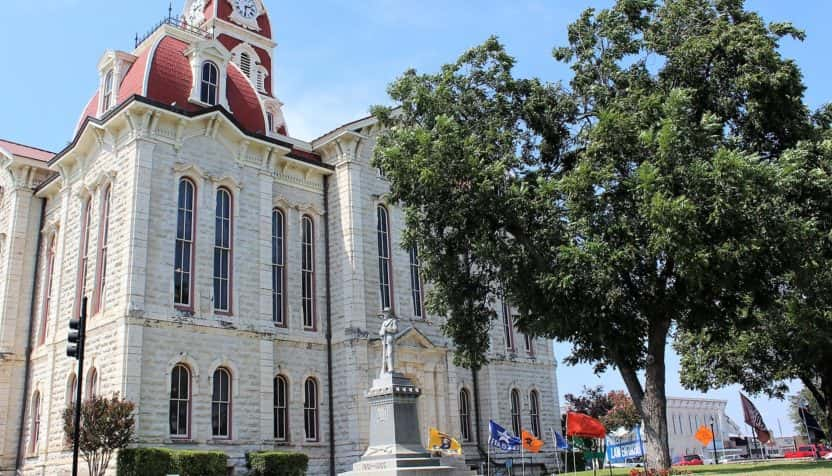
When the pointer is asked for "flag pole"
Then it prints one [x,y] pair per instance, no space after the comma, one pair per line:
[522,453]
[488,460]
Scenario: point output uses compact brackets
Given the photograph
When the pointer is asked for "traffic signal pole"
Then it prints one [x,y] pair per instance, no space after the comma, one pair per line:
[75,348]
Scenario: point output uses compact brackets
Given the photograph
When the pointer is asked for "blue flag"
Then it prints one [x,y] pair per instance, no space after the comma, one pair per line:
[561,442]
[499,437]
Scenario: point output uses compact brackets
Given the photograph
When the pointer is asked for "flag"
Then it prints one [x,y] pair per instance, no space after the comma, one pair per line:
[499,437]
[560,442]
[754,419]
[531,443]
[704,435]
[443,442]
[812,424]
[584,426]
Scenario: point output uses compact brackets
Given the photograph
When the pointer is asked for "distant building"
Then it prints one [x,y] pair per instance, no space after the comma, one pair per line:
[686,415]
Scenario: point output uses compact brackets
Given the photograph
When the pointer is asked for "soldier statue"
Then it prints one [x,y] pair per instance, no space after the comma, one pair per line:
[387,333]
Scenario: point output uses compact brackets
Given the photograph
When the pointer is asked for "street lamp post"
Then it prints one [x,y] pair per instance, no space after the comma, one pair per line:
[716,455]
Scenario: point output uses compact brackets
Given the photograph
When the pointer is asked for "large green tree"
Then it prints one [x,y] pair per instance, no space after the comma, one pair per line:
[641,199]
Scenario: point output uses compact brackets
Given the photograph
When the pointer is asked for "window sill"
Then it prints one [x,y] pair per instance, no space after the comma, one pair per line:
[180,441]
[220,441]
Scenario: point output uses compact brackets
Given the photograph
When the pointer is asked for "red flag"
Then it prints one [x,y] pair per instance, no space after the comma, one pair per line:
[755,420]
[584,426]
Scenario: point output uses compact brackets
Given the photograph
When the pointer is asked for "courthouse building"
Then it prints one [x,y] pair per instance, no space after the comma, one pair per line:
[234,275]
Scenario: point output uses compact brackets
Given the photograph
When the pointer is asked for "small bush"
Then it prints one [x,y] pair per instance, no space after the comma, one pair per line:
[575,462]
[201,463]
[277,463]
[145,462]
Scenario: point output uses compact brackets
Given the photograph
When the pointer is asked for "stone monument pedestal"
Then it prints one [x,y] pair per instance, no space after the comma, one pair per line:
[395,445]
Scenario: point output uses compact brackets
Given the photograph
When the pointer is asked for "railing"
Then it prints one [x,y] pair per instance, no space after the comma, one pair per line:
[176,22]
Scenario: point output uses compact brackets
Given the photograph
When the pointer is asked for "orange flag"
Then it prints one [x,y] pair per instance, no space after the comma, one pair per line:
[704,435]
[531,443]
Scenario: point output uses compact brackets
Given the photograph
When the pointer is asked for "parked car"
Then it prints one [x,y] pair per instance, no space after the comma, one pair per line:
[688,460]
[808,451]
[636,462]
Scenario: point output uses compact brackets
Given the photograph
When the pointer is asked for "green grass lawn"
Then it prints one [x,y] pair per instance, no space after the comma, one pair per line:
[780,468]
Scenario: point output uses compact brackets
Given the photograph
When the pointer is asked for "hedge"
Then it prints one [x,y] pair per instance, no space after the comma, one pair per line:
[162,461]
[276,463]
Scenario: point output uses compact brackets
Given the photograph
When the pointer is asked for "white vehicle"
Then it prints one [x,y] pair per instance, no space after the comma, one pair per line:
[636,462]
[828,456]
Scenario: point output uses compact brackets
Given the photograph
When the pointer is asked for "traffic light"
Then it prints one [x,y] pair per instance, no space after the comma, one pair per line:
[75,338]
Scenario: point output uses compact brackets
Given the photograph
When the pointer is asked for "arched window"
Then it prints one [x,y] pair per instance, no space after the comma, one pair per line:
[180,402]
[508,325]
[534,412]
[308,272]
[384,271]
[465,414]
[278,267]
[47,291]
[270,121]
[222,253]
[310,409]
[416,283]
[107,100]
[85,249]
[529,343]
[245,64]
[281,408]
[515,412]
[71,388]
[221,404]
[103,236]
[92,383]
[34,434]
[184,251]
[209,87]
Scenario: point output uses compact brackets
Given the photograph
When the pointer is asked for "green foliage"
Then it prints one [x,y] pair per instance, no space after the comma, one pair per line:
[107,425]
[201,463]
[814,408]
[277,463]
[145,462]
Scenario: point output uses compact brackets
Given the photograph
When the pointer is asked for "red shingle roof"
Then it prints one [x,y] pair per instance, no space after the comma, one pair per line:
[26,151]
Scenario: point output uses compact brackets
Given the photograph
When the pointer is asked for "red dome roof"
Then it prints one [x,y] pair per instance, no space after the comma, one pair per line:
[170,79]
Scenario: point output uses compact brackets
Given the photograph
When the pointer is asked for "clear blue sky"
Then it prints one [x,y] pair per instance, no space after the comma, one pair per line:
[334,59]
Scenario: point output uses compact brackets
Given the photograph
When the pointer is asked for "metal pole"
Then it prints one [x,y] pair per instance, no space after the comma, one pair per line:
[716,455]
[76,436]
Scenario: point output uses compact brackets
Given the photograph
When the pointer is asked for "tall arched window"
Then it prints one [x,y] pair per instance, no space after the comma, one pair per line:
[34,434]
[465,414]
[384,271]
[221,404]
[47,291]
[184,251]
[508,325]
[103,236]
[310,409]
[85,249]
[179,414]
[209,86]
[416,283]
[92,383]
[71,389]
[222,253]
[278,267]
[281,408]
[515,412]
[107,100]
[534,412]
[308,272]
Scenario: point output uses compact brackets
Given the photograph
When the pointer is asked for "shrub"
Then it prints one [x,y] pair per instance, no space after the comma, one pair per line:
[277,463]
[200,463]
[145,462]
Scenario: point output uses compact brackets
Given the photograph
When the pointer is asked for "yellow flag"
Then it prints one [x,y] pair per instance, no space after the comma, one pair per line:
[443,442]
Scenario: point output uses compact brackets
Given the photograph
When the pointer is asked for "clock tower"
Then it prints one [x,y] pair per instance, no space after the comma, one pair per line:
[244,29]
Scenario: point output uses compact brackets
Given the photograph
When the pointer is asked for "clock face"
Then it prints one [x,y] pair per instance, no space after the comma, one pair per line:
[246,8]
[196,12]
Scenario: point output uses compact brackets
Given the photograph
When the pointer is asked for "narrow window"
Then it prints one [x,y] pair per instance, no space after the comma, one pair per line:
[416,283]
[180,402]
[222,253]
[529,343]
[281,409]
[35,428]
[184,252]
[208,91]
[261,82]
[92,384]
[270,121]
[310,409]
[508,325]
[103,236]
[245,64]
[308,272]
[384,272]
[47,291]
[278,267]
[85,245]
[107,100]
[515,412]
[71,389]
[221,404]
[465,414]
[534,412]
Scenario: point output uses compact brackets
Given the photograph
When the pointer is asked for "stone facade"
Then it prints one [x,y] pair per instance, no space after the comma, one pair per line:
[139,152]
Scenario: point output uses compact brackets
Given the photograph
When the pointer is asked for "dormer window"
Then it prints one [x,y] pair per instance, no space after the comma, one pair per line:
[270,121]
[210,83]
[108,92]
